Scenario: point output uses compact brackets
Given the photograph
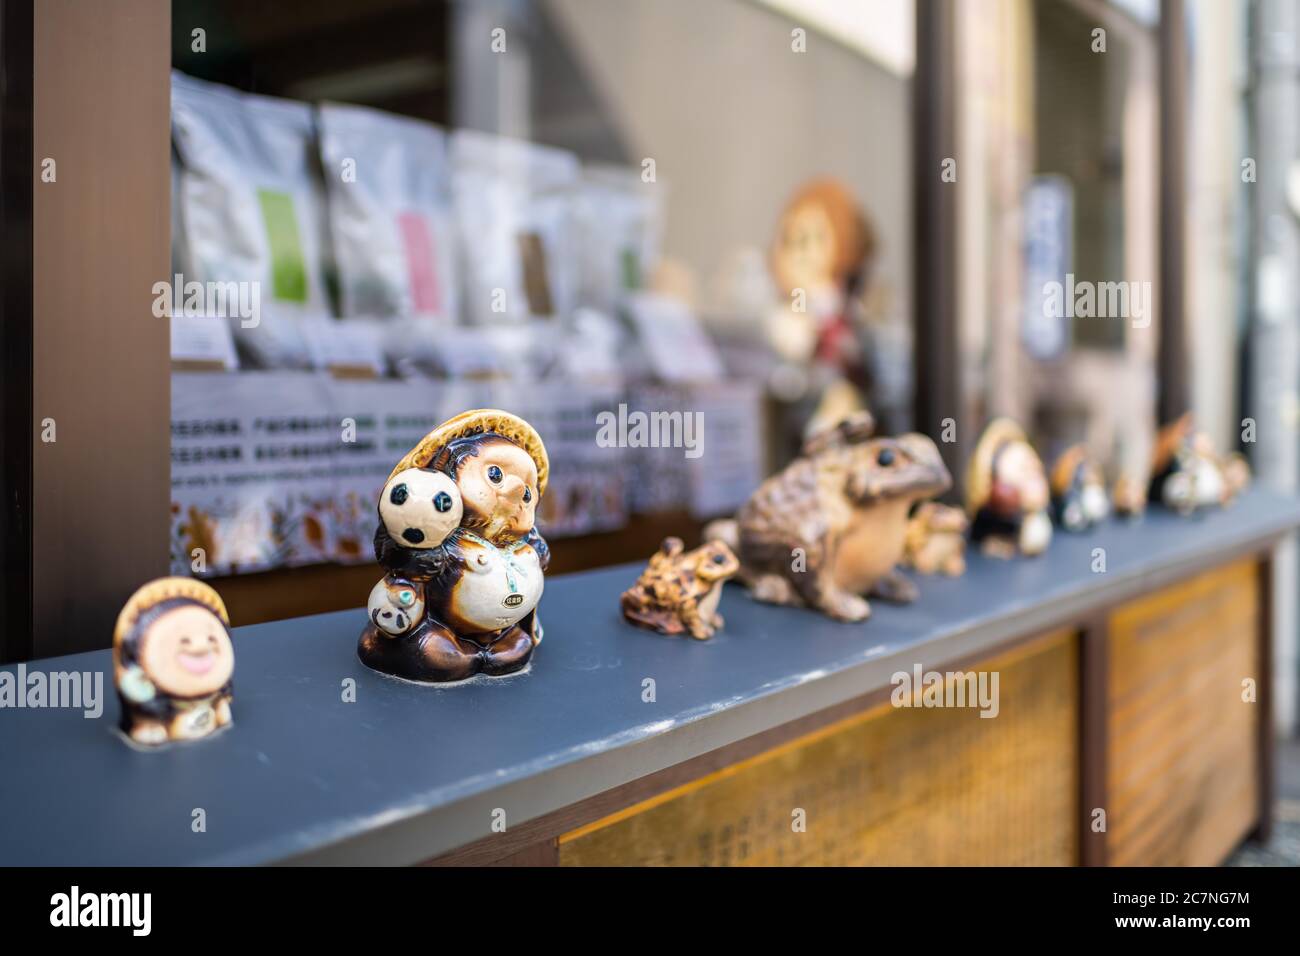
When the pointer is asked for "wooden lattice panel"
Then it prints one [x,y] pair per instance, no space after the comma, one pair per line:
[1182,759]
[888,786]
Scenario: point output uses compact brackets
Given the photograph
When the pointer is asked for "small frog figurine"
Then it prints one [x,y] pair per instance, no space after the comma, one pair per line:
[172,662]
[464,561]
[679,592]
[1079,498]
[1007,496]
[936,540]
[830,528]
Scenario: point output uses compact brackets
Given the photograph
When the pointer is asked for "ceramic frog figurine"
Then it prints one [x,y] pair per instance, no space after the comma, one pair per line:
[830,528]
[679,590]
[464,562]
[172,662]
[936,540]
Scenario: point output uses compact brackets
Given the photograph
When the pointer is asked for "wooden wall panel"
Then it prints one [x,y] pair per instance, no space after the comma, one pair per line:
[1182,761]
[890,786]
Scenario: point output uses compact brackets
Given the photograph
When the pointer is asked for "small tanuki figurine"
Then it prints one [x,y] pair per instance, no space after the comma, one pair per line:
[1187,473]
[463,560]
[1129,496]
[172,662]
[1078,490]
[830,528]
[1007,494]
[679,592]
[936,540]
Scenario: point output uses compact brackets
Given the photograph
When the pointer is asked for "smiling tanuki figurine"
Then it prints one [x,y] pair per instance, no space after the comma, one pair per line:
[464,561]
[172,662]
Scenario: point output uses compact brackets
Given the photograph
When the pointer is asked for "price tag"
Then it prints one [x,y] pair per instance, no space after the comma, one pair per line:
[202,342]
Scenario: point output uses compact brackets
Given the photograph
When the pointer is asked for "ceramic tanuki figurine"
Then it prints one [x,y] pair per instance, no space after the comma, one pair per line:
[679,592]
[1007,494]
[821,257]
[1187,474]
[830,528]
[1129,496]
[172,662]
[1078,490]
[464,561]
[936,540]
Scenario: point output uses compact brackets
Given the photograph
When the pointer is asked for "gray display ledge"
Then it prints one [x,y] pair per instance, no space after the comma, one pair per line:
[407,772]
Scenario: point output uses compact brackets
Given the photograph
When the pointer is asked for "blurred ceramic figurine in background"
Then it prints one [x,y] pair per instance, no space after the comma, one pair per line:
[679,590]
[1187,473]
[172,662]
[820,259]
[830,528]
[463,559]
[936,540]
[1007,495]
[1078,490]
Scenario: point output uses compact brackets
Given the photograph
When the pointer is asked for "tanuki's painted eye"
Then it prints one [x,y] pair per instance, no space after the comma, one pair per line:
[398,495]
[405,598]
[494,474]
[442,502]
[528,495]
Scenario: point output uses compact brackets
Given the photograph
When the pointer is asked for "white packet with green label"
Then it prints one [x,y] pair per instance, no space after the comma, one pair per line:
[390,219]
[251,207]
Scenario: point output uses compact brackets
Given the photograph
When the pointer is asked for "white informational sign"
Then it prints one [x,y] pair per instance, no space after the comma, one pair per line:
[203,340]
[1049,231]
[675,343]
[346,344]
[730,464]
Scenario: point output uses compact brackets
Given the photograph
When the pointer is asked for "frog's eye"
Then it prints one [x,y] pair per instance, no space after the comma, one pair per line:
[719,559]
[885,458]
[494,474]
[528,495]
[405,597]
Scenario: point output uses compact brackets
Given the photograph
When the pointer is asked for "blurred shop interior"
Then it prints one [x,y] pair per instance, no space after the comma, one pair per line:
[741,208]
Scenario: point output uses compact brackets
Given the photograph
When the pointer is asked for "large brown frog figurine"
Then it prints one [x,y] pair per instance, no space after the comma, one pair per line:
[830,528]
[679,592]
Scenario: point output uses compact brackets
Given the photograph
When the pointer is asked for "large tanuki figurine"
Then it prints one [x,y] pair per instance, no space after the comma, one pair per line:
[172,662]
[463,561]
[821,256]
[1007,496]
[831,527]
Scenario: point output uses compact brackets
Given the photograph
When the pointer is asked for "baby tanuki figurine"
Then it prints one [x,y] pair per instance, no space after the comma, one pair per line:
[172,662]
[1007,493]
[463,561]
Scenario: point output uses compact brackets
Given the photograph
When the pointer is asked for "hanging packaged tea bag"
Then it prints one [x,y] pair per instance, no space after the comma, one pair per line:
[251,208]
[388,182]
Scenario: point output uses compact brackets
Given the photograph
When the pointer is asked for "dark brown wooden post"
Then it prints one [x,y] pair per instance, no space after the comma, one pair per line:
[1172,369]
[934,228]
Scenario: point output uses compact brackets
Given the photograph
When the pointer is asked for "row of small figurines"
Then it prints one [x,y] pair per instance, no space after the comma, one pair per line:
[834,527]
[464,562]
